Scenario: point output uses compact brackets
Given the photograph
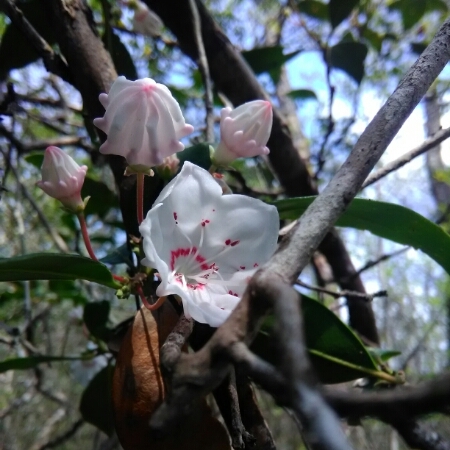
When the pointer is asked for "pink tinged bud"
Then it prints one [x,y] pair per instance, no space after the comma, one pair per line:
[62,178]
[143,121]
[244,131]
[145,21]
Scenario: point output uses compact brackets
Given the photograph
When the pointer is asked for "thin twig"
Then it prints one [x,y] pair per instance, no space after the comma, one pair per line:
[427,145]
[204,71]
[58,440]
[367,297]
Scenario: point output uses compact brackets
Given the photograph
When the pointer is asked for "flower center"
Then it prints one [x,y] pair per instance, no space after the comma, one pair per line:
[190,268]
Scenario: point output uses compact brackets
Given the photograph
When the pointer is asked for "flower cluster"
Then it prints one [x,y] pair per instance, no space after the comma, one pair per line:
[204,245]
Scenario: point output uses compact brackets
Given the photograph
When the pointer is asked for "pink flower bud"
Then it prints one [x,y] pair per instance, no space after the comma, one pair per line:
[143,122]
[62,178]
[145,21]
[244,131]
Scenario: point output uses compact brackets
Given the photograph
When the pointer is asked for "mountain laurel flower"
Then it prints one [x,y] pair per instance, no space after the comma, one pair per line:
[62,178]
[143,122]
[205,245]
[145,21]
[244,131]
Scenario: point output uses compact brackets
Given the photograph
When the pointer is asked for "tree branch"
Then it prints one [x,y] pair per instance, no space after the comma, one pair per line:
[52,61]
[427,145]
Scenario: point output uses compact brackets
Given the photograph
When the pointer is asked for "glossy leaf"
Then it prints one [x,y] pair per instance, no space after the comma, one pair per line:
[268,59]
[336,353]
[55,266]
[32,361]
[15,49]
[387,220]
[339,10]
[313,8]
[349,57]
[198,154]
[302,94]
[96,401]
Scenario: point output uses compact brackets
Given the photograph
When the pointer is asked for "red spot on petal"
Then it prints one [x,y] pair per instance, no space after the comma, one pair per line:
[256,265]
[233,293]
[204,222]
[228,242]
[234,243]
[242,267]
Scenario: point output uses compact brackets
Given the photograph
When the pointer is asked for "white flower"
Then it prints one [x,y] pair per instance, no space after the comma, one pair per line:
[206,245]
[62,178]
[145,21]
[143,122]
[244,131]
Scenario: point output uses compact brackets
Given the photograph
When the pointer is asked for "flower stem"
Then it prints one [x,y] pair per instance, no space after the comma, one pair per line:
[86,239]
[140,197]
[146,303]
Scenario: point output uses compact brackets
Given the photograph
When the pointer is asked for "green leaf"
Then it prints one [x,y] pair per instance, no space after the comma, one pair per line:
[411,10]
[198,154]
[313,8]
[32,361]
[418,47]
[373,38]
[121,57]
[437,5]
[302,94]
[36,158]
[102,198]
[268,59]
[382,354]
[55,266]
[389,221]
[95,317]
[96,401]
[337,354]
[349,57]
[120,255]
[15,49]
[340,9]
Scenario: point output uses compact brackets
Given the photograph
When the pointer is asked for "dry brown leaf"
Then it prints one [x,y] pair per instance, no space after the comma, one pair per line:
[139,388]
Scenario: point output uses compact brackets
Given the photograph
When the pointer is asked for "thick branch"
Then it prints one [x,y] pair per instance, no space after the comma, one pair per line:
[390,405]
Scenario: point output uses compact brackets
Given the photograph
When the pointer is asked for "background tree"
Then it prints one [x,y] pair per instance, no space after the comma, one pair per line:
[56,58]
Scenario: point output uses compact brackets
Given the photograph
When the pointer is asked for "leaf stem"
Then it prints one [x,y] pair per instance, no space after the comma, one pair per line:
[140,197]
